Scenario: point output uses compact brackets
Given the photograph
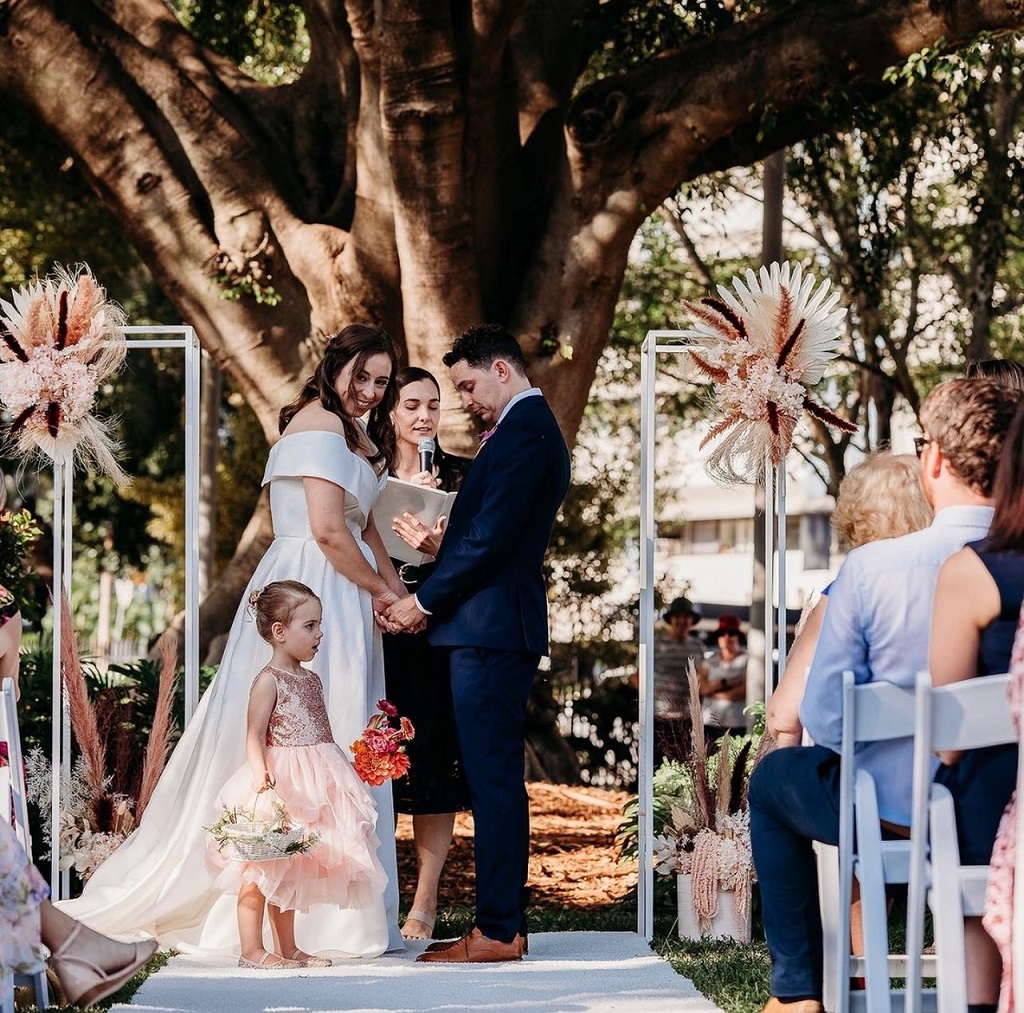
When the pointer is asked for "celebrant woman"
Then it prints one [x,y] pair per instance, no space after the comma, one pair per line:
[418,675]
[325,474]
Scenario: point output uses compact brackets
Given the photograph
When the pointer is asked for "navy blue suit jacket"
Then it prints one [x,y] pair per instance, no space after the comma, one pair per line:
[487,589]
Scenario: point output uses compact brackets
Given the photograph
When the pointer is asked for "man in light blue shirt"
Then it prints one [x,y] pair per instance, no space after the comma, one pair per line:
[877,625]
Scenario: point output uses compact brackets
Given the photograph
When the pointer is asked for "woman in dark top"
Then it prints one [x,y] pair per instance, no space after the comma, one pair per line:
[417,675]
[977,605]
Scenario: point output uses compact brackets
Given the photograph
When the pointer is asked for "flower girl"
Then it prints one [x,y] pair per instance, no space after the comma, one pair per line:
[295,773]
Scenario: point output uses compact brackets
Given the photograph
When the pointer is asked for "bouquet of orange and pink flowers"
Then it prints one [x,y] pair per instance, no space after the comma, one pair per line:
[379,753]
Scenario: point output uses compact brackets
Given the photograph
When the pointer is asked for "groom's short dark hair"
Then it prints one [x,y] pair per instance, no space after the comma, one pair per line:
[482,344]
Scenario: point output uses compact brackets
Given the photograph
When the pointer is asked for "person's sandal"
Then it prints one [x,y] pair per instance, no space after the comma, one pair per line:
[82,982]
[309,960]
[280,963]
[424,919]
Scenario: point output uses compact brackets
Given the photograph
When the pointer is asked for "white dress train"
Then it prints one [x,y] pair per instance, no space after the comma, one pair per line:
[157,881]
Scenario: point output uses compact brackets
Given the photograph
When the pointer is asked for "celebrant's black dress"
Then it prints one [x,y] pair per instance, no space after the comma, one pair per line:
[418,682]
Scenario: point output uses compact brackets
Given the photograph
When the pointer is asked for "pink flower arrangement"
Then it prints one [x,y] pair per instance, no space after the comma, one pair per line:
[379,753]
[60,338]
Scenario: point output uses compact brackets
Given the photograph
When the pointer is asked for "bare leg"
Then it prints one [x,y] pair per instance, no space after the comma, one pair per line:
[433,836]
[105,953]
[282,928]
[10,642]
[89,966]
[251,904]
[984,967]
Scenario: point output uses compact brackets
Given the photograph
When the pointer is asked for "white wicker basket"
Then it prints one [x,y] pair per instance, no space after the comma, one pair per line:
[260,842]
[251,840]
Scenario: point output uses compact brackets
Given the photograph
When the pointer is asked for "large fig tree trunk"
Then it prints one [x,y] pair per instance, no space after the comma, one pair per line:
[433,166]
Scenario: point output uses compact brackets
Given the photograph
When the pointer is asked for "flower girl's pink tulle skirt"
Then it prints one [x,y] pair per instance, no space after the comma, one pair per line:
[321,791]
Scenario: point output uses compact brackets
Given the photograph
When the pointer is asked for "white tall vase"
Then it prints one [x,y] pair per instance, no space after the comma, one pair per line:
[723,926]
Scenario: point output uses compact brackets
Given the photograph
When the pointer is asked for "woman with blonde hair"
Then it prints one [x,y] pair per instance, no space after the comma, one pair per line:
[880,498]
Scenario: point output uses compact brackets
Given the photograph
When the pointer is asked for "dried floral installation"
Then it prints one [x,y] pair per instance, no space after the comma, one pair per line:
[763,347]
[60,338]
[95,816]
[708,837]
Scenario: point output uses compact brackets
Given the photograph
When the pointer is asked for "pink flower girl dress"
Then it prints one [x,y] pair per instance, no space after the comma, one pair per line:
[321,791]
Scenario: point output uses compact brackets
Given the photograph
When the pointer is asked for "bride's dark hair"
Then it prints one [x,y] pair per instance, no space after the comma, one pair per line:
[356,342]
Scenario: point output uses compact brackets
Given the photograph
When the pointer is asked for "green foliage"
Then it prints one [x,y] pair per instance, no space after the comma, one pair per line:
[234,285]
[18,533]
[266,38]
[672,780]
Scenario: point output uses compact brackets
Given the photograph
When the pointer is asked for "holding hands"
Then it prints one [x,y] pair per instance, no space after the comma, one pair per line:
[405,616]
[383,599]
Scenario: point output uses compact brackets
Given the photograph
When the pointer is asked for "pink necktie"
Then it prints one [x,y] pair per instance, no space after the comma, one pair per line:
[485,436]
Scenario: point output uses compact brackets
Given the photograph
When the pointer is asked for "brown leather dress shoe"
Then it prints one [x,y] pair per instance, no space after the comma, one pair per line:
[440,945]
[475,948]
[800,1006]
[447,944]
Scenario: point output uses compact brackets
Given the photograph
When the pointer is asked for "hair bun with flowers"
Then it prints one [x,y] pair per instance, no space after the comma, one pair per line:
[763,347]
[60,338]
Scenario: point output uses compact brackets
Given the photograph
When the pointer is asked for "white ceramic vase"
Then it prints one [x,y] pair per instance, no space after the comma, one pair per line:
[723,926]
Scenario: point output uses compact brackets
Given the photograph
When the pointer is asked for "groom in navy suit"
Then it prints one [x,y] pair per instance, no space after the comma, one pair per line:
[487,602]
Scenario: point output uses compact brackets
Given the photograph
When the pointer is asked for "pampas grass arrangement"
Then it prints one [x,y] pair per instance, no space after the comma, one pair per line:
[160,737]
[98,810]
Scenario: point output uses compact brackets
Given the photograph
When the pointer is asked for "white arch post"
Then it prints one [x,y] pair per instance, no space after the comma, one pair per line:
[171,337]
[657,343]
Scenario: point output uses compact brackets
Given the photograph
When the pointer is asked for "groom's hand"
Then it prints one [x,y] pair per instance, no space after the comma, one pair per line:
[405,614]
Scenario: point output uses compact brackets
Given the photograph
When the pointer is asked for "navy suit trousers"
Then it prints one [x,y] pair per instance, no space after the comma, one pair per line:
[490,689]
[794,801]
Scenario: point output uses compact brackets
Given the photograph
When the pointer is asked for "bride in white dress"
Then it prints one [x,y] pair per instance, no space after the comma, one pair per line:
[325,474]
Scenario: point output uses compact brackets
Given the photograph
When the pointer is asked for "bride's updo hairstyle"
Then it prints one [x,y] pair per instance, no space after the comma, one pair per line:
[276,603]
[355,342]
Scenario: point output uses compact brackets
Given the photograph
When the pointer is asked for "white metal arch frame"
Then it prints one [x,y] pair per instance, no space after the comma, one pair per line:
[657,343]
[171,337]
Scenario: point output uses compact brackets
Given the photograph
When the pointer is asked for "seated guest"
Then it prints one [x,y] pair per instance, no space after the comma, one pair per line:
[723,681]
[89,966]
[879,498]
[977,606]
[877,624]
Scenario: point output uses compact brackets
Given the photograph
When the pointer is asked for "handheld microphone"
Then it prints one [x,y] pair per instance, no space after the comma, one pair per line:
[426,449]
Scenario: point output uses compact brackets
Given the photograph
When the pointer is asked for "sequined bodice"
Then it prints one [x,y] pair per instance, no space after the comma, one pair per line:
[300,715]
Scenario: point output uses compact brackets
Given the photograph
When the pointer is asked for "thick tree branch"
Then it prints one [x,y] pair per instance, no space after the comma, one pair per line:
[424,125]
[655,126]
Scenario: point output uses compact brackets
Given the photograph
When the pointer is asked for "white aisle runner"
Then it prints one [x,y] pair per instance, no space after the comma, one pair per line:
[566,972]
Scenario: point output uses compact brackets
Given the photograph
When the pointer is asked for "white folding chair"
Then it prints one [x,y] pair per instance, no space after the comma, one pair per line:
[14,803]
[965,715]
[872,712]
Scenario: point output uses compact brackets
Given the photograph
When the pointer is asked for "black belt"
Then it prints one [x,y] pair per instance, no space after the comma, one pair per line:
[413,575]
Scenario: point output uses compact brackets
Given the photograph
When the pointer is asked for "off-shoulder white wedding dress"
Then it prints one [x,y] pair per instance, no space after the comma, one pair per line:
[157,881]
